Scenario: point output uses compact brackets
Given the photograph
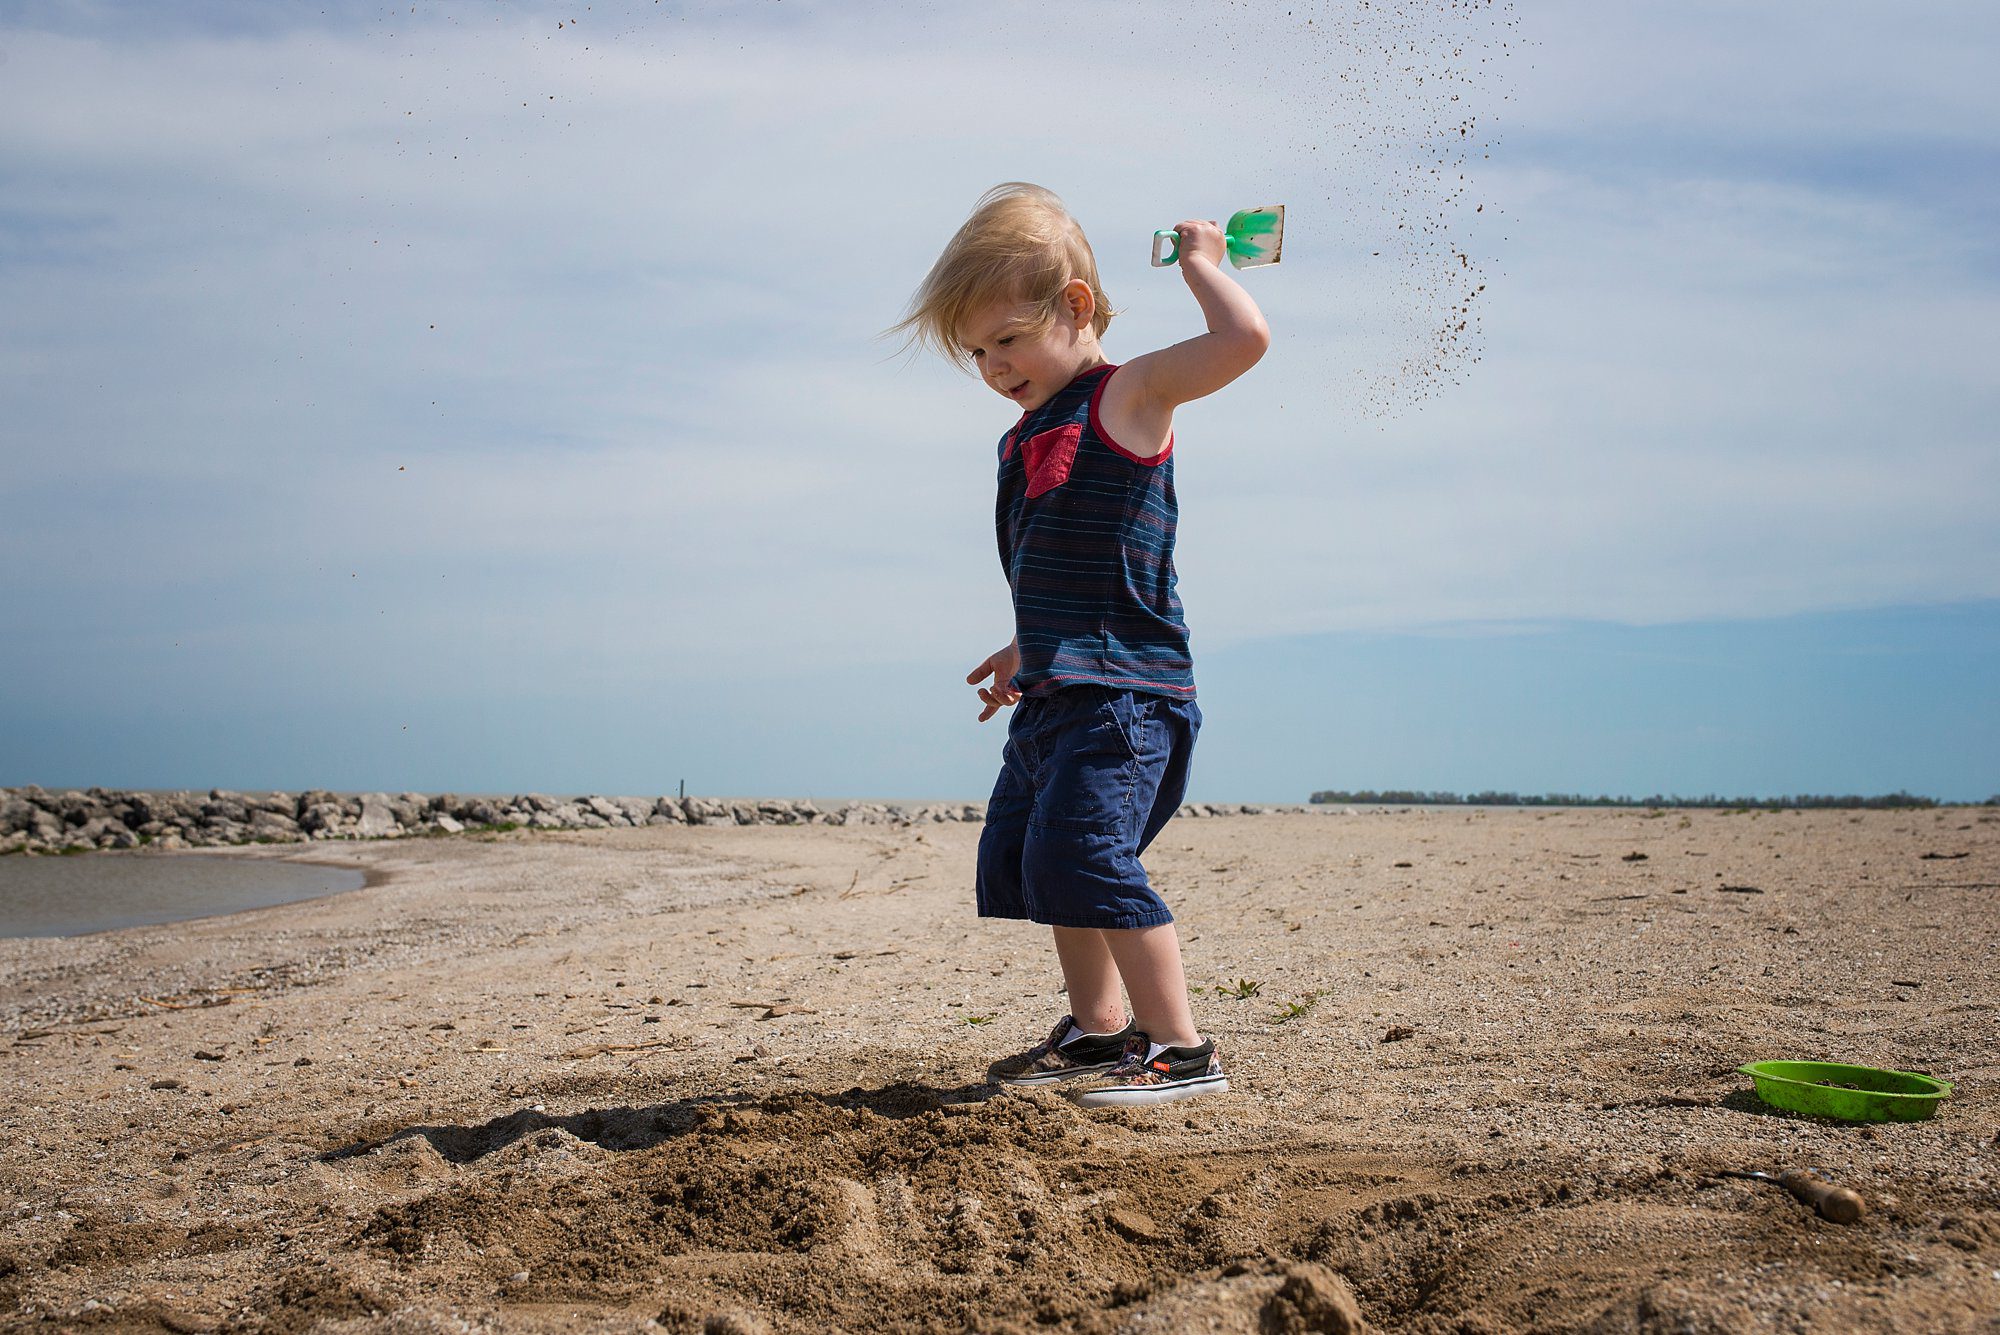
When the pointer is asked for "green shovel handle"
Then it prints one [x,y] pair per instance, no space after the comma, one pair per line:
[1166,248]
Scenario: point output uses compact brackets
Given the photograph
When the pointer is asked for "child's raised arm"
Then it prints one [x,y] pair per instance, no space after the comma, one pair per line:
[1237,335]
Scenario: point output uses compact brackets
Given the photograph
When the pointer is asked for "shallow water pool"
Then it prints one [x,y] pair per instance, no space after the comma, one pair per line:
[95,892]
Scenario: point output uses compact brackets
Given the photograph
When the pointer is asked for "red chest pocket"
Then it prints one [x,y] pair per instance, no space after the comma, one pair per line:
[1047,457]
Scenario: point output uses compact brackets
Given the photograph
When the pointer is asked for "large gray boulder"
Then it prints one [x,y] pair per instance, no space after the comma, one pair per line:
[278,804]
[378,819]
[706,811]
[270,825]
[17,814]
[136,809]
[74,808]
[116,834]
[322,817]
[179,808]
[224,807]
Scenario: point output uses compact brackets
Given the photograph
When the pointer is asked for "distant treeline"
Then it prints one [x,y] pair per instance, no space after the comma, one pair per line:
[1405,797]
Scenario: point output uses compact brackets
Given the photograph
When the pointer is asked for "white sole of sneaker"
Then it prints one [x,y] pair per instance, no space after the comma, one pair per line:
[1142,1095]
[1051,1077]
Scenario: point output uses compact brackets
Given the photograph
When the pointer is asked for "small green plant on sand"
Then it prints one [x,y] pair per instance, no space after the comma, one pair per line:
[1241,990]
[1292,1010]
[979,1019]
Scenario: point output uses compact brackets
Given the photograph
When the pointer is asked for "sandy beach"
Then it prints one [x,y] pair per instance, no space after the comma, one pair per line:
[731,1078]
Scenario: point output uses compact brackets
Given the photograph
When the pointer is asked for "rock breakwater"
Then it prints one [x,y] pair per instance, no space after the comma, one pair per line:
[35,820]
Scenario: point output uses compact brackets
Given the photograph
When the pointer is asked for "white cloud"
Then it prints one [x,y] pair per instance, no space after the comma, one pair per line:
[652,401]
[1820,74]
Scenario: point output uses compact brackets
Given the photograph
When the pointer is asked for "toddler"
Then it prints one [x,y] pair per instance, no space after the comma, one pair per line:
[1098,672]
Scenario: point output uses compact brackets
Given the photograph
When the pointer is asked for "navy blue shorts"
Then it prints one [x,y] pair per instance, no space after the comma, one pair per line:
[1089,776]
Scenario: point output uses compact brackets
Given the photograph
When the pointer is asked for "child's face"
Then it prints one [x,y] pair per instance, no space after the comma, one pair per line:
[1024,366]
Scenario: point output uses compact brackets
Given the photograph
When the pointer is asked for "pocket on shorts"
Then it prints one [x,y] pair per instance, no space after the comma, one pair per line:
[1087,773]
[1148,736]
[1048,457]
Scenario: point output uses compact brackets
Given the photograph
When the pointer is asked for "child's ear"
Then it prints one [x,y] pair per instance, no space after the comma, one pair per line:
[1079,301]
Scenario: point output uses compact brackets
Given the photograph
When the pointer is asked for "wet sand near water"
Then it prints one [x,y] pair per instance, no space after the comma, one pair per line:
[582,1081]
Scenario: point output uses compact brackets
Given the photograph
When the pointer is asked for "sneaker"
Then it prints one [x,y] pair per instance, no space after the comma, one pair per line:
[1137,1080]
[1063,1055]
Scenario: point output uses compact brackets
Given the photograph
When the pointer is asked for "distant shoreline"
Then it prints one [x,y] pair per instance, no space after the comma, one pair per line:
[36,821]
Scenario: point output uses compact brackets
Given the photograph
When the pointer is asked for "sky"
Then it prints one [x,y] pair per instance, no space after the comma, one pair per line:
[492,396]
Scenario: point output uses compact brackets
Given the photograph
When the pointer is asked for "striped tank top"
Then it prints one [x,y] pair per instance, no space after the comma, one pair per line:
[1086,532]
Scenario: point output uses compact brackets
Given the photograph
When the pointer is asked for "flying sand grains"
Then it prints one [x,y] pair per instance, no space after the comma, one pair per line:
[1390,106]
[1401,113]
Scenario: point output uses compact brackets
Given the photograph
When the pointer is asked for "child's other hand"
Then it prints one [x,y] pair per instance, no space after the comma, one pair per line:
[1001,665]
[1202,240]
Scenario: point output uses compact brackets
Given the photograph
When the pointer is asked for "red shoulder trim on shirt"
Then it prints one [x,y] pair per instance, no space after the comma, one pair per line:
[1013,432]
[1097,425]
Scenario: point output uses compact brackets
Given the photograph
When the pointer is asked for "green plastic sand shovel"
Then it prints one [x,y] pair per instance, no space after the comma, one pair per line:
[1254,236]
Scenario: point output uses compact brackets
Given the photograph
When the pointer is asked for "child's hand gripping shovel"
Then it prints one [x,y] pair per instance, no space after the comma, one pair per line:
[1253,237]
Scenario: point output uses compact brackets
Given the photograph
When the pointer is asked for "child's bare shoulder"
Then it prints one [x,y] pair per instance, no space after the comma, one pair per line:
[1137,420]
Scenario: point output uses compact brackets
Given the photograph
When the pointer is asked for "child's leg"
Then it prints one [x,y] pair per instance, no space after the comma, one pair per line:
[1149,959]
[1091,977]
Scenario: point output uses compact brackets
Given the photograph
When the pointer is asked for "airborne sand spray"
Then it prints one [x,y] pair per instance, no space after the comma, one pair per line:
[1373,119]
[1395,105]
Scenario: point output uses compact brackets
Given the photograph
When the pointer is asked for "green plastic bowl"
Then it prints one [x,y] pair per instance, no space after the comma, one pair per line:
[1851,1093]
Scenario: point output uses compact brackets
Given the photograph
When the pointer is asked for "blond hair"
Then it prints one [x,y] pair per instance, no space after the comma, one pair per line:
[1020,243]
